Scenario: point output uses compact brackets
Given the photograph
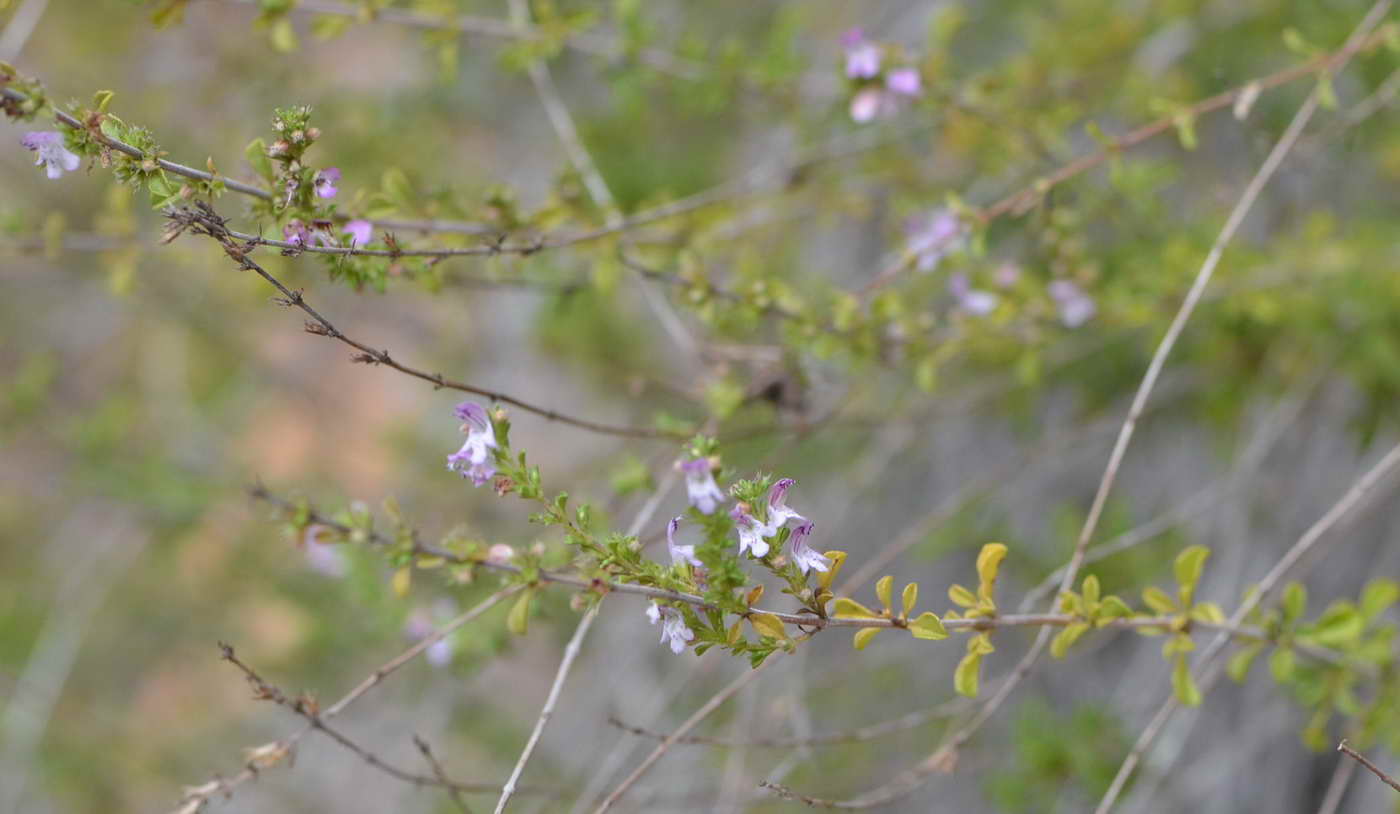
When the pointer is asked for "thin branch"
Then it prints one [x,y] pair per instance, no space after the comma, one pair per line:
[1337,787]
[453,793]
[196,796]
[1023,199]
[20,27]
[1346,749]
[203,220]
[690,723]
[571,652]
[864,733]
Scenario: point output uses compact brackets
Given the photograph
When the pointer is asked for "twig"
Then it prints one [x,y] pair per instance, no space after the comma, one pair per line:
[1337,787]
[196,796]
[20,27]
[571,652]
[203,220]
[1023,199]
[452,792]
[1346,749]
[690,723]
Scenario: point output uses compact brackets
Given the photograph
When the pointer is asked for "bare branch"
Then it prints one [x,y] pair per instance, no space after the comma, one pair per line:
[1346,749]
[438,772]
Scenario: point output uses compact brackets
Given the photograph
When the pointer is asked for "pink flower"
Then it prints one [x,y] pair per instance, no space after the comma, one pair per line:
[1076,307]
[52,155]
[325,182]
[973,301]
[361,232]
[323,558]
[862,57]
[295,232]
[905,82]
[473,460]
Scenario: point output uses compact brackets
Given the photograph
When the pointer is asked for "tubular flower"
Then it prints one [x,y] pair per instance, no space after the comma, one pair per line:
[673,627]
[473,460]
[751,532]
[679,553]
[778,512]
[862,56]
[700,486]
[806,557]
[52,155]
[325,182]
[361,232]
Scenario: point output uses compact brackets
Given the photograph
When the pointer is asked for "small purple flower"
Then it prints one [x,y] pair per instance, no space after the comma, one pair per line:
[870,104]
[325,182]
[807,558]
[1075,306]
[679,553]
[52,155]
[751,532]
[973,301]
[905,82]
[673,627]
[295,232]
[1007,274]
[361,232]
[473,460]
[323,558]
[419,627]
[862,56]
[778,512]
[700,486]
[934,236]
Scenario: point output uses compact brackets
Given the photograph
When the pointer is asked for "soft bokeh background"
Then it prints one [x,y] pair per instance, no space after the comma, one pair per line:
[144,387]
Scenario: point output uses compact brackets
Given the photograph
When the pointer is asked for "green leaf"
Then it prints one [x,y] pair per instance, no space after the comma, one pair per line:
[961,596]
[1208,612]
[988,563]
[845,608]
[911,595]
[1340,625]
[256,153]
[1295,603]
[401,582]
[884,588]
[1189,564]
[768,625]
[1091,590]
[928,626]
[101,100]
[1378,595]
[1241,660]
[837,558]
[518,621]
[864,635]
[1066,638]
[1184,685]
[965,678]
[283,36]
[1157,599]
[1113,608]
[1281,664]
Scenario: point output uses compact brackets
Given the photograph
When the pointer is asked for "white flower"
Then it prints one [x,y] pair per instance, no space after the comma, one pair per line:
[679,553]
[701,489]
[52,155]
[806,558]
[473,460]
[673,627]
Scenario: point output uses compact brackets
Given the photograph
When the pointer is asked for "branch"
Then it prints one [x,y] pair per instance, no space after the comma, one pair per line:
[196,796]
[438,772]
[203,220]
[1346,749]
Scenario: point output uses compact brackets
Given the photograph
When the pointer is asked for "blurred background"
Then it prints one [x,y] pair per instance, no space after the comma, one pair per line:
[145,387]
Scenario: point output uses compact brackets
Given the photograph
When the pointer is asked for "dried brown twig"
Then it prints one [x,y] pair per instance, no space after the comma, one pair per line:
[1345,748]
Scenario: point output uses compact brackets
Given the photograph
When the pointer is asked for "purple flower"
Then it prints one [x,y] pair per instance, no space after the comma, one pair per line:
[700,486]
[973,301]
[751,532]
[679,553]
[52,155]
[325,182]
[323,558]
[361,232]
[1076,307]
[295,232]
[932,237]
[806,558]
[870,104]
[905,82]
[419,627]
[473,460]
[862,57]
[672,627]
[1007,274]
[778,512]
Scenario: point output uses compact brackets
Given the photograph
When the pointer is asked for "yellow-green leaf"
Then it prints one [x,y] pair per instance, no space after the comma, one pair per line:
[981,644]
[1113,608]
[401,581]
[864,635]
[1184,685]
[961,596]
[736,632]
[518,621]
[1240,662]
[988,563]
[965,678]
[911,596]
[846,608]
[1091,590]
[824,579]
[768,625]
[1189,564]
[884,588]
[928,626]
[1208,612]
[1157,599]
[283,36]
[1066,638]
[1378,595]
[1281,664]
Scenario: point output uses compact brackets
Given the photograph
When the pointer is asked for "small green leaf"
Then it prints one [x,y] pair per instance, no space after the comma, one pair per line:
[1242,660]
[1281,664]
[988,563]
[825,578]
[1295,603]
[1157,599]
[518,621]
[1184,685]
[1091,590]
[961,596]
[884,588]
[850,609]
[1113,608]
[401,582]
[283,36]
[981,643]
[1189,564]
[1378,595]
[101,100]
[1066,638]
[965,678]
[864,635]
[768,625]
[1340,625]
[928,626]
[911,595]
[1208,612]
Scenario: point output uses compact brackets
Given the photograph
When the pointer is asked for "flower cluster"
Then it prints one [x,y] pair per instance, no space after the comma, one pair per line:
[877,96]
[474,459]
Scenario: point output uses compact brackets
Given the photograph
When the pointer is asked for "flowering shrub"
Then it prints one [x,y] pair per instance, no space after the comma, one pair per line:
[1036,223]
